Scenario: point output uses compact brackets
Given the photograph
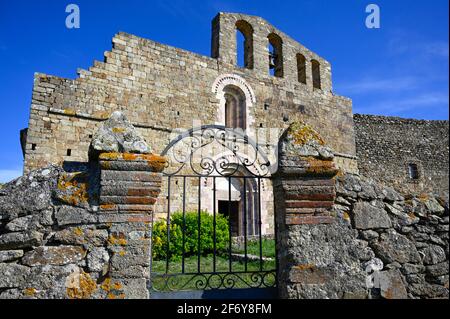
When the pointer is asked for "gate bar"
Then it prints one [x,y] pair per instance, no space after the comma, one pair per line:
[168,227]
[260,226]
[199,220]
[229,223]
[245,223]
[214,223]
[184,224]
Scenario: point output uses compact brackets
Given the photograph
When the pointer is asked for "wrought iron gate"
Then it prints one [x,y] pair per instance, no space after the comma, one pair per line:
[214,230]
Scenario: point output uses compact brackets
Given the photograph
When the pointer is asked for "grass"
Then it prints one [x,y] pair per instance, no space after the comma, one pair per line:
[268,248]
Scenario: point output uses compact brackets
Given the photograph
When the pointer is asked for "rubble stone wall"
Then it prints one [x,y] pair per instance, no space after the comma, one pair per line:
[387,145]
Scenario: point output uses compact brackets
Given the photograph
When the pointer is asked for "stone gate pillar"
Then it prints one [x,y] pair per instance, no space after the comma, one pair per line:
[304,192]
[130,182]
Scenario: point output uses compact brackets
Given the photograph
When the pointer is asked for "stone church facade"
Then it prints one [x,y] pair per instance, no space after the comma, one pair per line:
[161,88]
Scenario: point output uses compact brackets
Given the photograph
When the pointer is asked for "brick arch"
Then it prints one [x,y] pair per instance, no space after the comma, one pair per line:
[220,88]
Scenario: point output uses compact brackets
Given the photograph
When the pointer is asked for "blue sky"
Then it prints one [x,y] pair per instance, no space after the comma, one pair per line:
[400,69]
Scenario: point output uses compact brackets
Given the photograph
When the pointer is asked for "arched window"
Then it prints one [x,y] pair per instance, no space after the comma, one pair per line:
[301,68]
[235,108]
[275,55]
[244,40]
[316,74]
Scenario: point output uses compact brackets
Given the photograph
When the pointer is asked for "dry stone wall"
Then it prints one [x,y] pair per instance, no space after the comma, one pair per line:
[405,238]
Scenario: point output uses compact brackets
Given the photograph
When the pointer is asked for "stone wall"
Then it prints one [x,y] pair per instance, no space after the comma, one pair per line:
[404,240]
[380,245]
[160,88]
[387,145]
[368,242]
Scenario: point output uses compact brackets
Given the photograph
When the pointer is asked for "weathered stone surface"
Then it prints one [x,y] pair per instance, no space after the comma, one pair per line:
[118,135]
[390,284]
[28,194]
[427,290]
[13,275]
[12,294]
[97,260]
[433,254]
[392,246]
[303,140]
[20,240]
[338,269]
[367,191]
[438,269]
[68,215]
[81,235]
[369,235]
[10,255]
[391,195]
[52,282]
[60,255]
[367,216]
[434,207]
[135,289]
[22,224]
[409,269]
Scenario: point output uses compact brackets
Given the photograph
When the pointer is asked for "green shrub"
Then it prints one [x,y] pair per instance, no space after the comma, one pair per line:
[191,236]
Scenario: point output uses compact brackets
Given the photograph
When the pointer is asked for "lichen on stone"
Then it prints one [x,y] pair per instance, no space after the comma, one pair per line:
[72,188]
[80,286]
[302,133]
[302,140]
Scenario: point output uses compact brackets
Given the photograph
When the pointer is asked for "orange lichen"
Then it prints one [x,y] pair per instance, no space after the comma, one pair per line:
[114,290]
[106,284]
[318,166]
[83,289]
[114,296]
[423,197]
[305,267]
[110,156]
[78,231]
[118,130]
[75,188]
[108,206]
[129,156]
[30,292]
[411,215]
[101,114]
[117,239]
[346,216]
[340,173]
[303,133]
[69,112]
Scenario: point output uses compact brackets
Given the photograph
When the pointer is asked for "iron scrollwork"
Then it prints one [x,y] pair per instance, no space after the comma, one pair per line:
[212,281]
[214,150]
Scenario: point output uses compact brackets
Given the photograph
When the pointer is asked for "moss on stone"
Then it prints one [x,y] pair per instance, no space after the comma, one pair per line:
[302,133]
